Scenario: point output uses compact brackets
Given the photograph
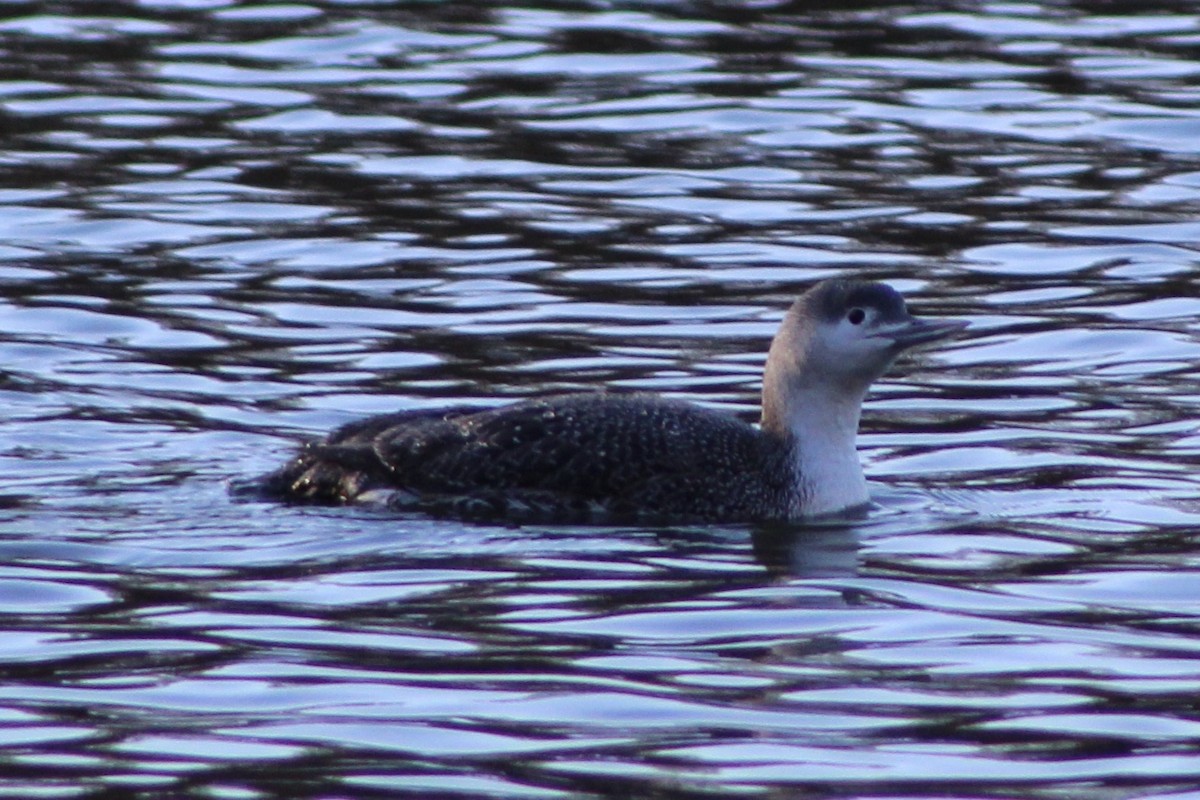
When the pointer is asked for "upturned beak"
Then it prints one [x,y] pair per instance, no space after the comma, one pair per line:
[922,331]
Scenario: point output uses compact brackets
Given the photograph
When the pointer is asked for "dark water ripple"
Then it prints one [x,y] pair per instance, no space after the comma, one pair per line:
[227,227]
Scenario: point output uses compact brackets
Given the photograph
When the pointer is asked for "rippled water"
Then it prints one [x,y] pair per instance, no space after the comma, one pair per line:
[225,228]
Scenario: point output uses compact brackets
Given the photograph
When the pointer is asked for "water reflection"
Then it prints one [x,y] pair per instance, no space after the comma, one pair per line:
[229,227]
[815,553]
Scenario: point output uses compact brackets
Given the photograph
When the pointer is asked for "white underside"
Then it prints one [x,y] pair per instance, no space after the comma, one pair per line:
[831,483]
[829,474]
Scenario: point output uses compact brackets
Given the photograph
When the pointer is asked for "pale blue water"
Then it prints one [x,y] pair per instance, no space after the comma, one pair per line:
[225,228]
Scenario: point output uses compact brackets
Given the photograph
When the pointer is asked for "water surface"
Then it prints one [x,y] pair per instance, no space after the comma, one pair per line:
[226,228]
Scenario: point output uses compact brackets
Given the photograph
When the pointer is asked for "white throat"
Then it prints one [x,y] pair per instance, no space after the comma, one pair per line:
[829,474]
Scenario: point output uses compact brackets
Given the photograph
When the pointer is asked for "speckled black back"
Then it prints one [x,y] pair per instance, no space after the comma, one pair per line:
[567,457]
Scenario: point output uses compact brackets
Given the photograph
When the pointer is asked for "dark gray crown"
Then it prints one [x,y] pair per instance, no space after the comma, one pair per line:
[832,299]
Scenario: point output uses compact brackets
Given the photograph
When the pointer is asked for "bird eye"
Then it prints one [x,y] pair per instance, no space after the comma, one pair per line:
[855,316]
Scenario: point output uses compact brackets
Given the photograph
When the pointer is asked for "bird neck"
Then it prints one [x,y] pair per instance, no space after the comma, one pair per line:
[821,427]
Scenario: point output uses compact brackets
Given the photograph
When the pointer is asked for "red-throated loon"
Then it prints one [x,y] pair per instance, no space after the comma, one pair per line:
[604,457]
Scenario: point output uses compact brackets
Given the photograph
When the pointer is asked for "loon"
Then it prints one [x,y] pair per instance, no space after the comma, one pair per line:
[609,457]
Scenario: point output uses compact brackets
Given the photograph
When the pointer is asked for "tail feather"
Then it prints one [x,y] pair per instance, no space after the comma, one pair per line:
[319,474]
[350,462]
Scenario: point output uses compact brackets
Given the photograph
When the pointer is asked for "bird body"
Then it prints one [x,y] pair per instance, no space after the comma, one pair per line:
[576,457]
[609,456]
